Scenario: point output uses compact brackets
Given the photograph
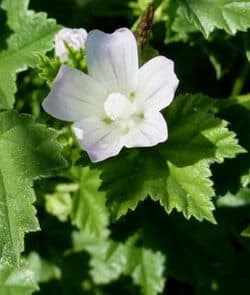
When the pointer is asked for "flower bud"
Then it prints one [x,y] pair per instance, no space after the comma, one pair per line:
[74,37]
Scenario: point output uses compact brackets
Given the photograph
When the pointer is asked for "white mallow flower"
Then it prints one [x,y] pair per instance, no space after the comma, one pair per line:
[116,104]
[76,38]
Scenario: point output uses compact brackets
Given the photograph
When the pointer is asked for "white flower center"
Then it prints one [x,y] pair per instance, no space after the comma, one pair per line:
[115,105]
[123,112]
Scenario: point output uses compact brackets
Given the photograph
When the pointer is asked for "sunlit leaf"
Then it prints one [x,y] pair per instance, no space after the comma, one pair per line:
[28,150]
[207,15]
[33,34]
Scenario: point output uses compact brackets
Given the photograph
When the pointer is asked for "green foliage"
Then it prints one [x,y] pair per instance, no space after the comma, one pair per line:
[201,255]
[174,187]
[177,172]
[246,232]
[241,198]
[118,175]
[16,281]
[77,58]
[221,54]
[178,28]
[49,68]
[28,151]
[204,135]
[89,212]
[186,20]
[59,204]
[111,259]
[43,270]
[33,34]
[247,45]
[229,15]
[237,112]
[201,171]
[188,190]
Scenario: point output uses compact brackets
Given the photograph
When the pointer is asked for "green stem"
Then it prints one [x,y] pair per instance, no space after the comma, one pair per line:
[240,81]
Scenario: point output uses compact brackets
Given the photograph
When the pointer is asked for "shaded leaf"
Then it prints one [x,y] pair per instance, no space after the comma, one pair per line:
[110,260]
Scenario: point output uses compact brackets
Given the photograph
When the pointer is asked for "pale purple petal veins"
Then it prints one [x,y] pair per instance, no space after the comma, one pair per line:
[74,96]
[157,83]
[112,59]
[151,131]
[99,140]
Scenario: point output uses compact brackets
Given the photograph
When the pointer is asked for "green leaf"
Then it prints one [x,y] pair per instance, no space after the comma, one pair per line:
[146,269]
[110,260]
[188,190]
[177,172]
[196,134]
[123,181]
[43,270]
[241,198]
[177,25]
[208,15]
[89,212]
[28,150]
[20,281]
[16,11]
[234,173]
[33,35]
[246,232]
[109,264]
[59,203]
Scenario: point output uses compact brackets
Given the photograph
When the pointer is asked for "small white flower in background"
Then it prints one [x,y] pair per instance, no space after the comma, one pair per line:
[117,104]
[75,38]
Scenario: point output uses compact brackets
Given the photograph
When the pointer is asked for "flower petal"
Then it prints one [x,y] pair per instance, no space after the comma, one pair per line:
[74,96]
[99,140]
[150,132]
[157,83]
[112,60]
